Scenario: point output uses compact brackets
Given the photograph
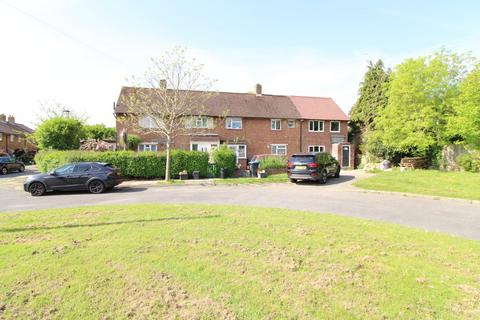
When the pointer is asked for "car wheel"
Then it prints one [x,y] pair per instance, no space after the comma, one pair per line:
[4,170]
[323,177]
[96,186]
[21,169]
[293,180]
[36,189]
[337,173]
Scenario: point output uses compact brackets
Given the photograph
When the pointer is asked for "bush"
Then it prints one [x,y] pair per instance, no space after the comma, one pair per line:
[273,162]
[60,134]
[130,164]
[133,141]
[470,162]
[224,157]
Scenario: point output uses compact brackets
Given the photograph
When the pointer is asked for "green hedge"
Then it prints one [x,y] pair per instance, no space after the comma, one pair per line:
[131,164]
[470,162]
[224,157]
[273,162]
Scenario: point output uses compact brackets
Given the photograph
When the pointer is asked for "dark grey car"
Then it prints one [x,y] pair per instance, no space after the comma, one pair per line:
[92,176]
[8,164]
[312,166]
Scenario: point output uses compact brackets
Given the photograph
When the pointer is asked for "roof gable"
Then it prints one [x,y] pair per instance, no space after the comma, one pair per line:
[318,108]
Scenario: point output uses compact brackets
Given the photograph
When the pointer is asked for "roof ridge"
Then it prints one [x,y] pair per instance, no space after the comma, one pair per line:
[313,97]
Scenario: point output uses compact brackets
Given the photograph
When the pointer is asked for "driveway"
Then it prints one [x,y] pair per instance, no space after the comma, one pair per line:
[455,217]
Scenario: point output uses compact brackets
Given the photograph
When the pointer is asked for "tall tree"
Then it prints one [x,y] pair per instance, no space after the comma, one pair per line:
[99,132]
[171,91]
[59,133]
[372,96]
[420,98]
[466,121]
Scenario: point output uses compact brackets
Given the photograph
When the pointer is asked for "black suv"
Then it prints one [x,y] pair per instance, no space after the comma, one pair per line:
[312,166]
[92,176]
[8,164]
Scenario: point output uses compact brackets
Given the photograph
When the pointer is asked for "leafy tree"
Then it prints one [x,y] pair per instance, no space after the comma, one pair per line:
[133,141]
[99,132]
[466,121]
[59,133]
[420,98]
[372,96]
[172,90]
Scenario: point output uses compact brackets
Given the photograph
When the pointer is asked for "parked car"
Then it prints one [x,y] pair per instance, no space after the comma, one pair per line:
[8,164]
[254,163]
[92,176]
[312,166]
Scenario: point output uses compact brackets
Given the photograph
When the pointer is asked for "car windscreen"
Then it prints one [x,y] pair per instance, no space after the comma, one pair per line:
[302,158]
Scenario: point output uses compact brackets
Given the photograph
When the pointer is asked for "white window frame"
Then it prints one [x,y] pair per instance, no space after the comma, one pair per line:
[273,124]
[12,138]
[200,122]
[236,147]
[146,122]
[291,123]
[229,123]
[311,148]
[1,136]
[149,144]
[335,121]
[276,149]
[318,121]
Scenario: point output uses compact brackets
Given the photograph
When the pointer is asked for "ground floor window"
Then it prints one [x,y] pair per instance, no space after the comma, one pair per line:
[203,146]
[240,150]
[147,147]
[316,148]
[279,149]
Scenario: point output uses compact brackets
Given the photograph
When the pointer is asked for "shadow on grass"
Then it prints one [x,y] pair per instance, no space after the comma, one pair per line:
[101,224]
[120,189]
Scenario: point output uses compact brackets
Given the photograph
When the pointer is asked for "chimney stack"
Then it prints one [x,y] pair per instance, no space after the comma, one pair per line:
[11,119]
[258,89]
[163,84]
[3,117]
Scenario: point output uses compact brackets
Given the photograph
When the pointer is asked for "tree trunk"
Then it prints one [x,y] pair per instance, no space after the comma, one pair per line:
[167,165]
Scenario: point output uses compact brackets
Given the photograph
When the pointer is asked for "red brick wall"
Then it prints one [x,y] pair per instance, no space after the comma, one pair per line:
[257,134]
[6,145]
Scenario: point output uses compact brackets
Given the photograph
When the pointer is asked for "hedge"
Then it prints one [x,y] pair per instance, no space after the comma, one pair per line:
[273,162]
[226,158]
[130,164]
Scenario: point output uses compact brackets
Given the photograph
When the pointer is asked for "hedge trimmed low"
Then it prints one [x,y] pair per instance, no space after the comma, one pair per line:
[131,164]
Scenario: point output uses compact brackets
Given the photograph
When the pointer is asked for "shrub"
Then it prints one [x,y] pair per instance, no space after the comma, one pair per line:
[470,162]
[130,164]
[60,133]
[273,162]
[224,157]
[133,141]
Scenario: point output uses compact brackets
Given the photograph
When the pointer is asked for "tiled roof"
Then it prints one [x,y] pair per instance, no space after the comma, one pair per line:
[14,128]
[318,108]
[250,105]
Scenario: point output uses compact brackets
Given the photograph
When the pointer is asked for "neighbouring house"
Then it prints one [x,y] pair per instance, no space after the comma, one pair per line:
[13,136]
[254,123]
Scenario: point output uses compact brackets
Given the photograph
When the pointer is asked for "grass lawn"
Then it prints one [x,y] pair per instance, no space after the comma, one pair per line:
[223,262]
[276,178]
[430,182]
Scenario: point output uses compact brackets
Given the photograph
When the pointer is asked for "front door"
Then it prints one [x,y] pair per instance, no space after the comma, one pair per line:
[345,156]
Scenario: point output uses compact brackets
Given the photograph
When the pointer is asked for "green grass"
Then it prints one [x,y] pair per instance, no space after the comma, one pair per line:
[429,182]
[223,262]
[274,178]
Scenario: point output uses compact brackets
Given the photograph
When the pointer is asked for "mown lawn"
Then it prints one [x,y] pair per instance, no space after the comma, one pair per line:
[429,182]
[223,262]
[274,178]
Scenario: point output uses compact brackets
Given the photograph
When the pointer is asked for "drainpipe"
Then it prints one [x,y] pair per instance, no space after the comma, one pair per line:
[301,134]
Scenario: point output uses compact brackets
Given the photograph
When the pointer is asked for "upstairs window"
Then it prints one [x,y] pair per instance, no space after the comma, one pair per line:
[276,124]
[147,123]
[234,123]
[1,136]
[291,123]
[12,137]
[315,125]
[334,126]
[201,123]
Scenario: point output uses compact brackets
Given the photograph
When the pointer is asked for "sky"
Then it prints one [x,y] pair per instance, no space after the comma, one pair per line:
[80,52]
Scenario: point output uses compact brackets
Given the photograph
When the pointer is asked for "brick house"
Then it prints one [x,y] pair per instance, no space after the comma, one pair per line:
[13,135]
[255,123]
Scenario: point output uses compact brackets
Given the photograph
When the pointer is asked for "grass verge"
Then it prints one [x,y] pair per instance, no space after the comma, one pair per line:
[274,178]
[223,262]
[429,182]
